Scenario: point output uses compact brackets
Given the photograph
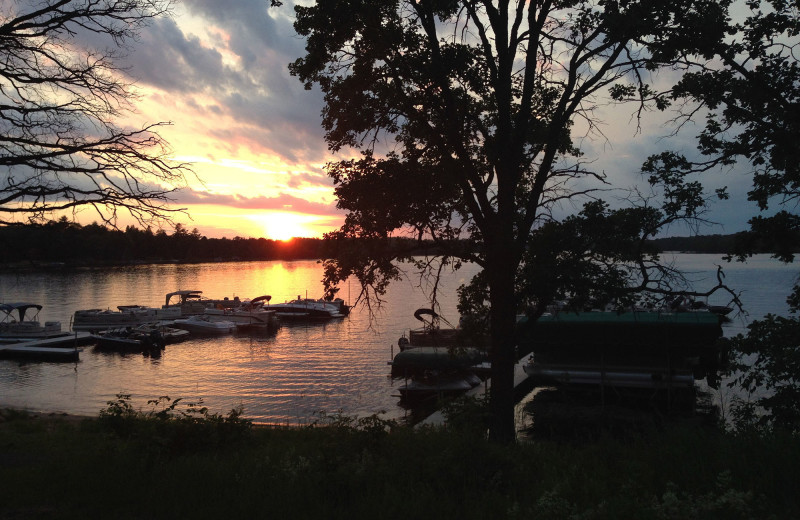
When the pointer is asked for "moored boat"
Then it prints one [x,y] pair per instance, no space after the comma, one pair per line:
[202,324]
[130,340]
[169,334]
[307,309]
[126,316]
[687,304]
[442,359]
[249,313]
[20,323]
[432,334]
[191,302]
[639,349]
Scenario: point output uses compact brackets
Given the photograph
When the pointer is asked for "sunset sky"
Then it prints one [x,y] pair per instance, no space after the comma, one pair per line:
[218,72]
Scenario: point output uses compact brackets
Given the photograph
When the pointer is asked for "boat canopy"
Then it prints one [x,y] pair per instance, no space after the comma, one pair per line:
[183,295]
[21,308]
[654,328]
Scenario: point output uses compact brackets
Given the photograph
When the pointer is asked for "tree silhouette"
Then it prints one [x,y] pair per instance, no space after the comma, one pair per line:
[464,112]
[751,92]
[60,148]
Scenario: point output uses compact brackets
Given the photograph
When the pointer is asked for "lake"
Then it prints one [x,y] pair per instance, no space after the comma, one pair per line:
[286,378]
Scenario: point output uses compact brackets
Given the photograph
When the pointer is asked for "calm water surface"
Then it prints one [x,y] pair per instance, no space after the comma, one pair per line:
[291,376]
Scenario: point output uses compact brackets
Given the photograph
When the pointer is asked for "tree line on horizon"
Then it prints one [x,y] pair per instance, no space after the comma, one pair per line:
[71,243]
[95,244]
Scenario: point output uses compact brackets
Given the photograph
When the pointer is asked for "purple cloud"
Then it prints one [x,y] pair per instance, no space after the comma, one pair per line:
[283,202]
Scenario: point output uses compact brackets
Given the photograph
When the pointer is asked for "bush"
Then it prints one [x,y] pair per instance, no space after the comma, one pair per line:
[168,428]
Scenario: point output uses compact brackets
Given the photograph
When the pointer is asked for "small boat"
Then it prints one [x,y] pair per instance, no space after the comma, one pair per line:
[18,324]
[191,302]
[130,340]
[202,324]
[170,335]
[344,309]
[307,309]
[687,304]
[126,316]
[432,334]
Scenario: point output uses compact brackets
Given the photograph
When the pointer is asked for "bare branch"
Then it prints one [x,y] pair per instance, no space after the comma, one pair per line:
[59,146]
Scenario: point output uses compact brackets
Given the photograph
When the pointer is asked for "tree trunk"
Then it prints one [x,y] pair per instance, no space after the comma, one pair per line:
[501,269]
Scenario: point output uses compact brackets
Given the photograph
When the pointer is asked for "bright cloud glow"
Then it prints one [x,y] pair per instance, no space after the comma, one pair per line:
[218,71]
[284,226]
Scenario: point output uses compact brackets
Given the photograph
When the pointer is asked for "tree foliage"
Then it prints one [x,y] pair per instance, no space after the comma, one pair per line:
[751,94]
[464,113]
[767,368]
[61,98]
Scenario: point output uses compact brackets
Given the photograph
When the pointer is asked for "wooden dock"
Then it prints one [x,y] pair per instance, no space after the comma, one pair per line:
[61,348]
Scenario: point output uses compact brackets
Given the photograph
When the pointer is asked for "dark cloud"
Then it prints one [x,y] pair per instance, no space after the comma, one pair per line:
[281,203]
[170,60]
[273,112]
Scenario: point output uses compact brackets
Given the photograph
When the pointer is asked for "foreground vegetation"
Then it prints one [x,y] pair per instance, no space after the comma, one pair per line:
[179,461]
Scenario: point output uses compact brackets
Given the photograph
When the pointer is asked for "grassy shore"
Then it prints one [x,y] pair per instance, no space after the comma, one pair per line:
[125,464]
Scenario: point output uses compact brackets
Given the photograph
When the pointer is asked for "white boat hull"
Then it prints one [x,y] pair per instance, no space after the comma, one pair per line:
[128,316]
[203,325]
[307,309]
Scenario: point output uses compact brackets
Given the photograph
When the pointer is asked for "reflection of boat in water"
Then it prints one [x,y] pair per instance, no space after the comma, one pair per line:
[308,309]
[202,324]
[20,323]
[192,302]
[126,316]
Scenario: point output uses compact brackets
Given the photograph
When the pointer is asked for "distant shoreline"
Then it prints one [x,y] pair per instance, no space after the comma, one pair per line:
[66,245]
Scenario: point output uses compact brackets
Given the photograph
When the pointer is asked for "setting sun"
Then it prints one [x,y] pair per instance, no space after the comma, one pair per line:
[285,225]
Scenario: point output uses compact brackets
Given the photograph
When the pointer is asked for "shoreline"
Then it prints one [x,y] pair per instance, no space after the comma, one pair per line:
[17,412]
[8,413]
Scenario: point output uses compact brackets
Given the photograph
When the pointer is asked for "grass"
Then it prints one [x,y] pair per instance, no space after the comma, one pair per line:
[180,464]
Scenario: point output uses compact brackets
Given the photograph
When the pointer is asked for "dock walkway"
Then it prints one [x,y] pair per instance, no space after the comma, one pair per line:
[61,348]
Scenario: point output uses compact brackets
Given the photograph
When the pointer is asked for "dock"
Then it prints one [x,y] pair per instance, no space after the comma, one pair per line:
[61,348]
